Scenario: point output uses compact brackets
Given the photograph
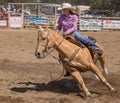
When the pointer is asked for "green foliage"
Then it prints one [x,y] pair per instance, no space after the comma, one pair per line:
[111,5]
[115,5]
[4,2]
[101,4]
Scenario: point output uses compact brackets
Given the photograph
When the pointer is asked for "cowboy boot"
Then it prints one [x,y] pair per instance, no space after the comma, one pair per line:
[99,51]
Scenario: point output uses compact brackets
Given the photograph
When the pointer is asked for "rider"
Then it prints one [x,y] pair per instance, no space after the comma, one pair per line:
[68,21]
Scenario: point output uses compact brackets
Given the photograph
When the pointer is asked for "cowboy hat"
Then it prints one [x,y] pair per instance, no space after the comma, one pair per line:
[66,6]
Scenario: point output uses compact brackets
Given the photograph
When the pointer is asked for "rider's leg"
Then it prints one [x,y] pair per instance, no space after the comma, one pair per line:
[86,41]
[83,39]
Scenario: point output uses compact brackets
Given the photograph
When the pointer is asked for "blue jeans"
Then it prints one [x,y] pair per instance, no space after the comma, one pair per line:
[83,39]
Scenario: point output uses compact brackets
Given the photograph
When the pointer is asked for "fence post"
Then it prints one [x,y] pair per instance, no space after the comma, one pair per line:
[22,16]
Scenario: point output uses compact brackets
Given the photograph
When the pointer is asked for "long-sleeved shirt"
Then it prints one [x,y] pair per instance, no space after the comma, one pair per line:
[68,24]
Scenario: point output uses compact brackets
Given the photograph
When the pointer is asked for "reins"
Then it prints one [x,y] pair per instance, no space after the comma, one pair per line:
[54,48]
[69,60]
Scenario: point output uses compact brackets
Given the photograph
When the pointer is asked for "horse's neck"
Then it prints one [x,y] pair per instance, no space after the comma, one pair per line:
[63,45]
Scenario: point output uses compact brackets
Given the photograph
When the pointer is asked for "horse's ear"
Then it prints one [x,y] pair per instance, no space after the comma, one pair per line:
[35,24]
[40,28]
[47,27]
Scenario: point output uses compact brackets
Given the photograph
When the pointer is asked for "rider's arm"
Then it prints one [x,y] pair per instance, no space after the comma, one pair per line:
[75,21]
[59,26]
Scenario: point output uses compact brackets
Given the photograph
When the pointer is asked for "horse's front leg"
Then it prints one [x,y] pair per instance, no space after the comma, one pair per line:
[76,74]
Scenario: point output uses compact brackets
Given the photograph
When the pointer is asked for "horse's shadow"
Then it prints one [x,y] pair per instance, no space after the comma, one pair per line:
[61,86]
[64,86]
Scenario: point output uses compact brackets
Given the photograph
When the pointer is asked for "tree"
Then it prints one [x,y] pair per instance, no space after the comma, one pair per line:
[115,5]
[111,5]
[101,4]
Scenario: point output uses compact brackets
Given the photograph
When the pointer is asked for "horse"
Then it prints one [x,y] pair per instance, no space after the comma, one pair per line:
[74,58]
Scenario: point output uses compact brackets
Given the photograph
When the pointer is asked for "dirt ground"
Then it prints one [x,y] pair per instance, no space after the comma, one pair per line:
[25,79]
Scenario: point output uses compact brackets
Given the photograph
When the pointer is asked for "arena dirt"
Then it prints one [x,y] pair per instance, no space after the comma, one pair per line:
[25,79]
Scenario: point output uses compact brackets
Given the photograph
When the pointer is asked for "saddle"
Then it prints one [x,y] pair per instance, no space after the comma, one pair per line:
[71,39]
[94,52]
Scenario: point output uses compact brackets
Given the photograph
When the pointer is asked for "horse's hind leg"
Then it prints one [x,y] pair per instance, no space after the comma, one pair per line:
[101,77]
[102,62]
[77,76]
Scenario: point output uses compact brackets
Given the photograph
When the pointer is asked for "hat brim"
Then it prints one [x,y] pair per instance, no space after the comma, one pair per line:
[70,8]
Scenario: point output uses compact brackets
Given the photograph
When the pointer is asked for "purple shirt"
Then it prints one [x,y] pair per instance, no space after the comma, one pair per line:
[68,24]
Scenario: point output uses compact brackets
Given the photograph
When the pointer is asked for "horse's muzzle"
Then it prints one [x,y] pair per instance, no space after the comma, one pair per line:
[39,55]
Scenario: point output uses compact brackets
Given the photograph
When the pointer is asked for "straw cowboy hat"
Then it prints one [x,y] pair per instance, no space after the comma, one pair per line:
[67,6]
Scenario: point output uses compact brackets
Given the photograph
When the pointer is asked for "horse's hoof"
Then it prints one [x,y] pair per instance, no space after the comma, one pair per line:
[88,94]
[112,89]
[96,77]
[105,71]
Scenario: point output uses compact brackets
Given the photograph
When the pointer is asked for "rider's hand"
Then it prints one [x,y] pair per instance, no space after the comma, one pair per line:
[65,33]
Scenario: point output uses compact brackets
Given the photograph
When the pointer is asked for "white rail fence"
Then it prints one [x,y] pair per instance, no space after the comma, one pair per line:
[97,24]
[47,16]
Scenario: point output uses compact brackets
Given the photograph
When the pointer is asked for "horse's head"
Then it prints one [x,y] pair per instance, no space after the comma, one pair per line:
[44,43]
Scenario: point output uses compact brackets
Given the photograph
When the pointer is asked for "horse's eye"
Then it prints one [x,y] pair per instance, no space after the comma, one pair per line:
[43,38]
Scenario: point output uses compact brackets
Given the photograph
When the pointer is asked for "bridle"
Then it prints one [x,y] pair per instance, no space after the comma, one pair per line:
[46,48]
[47,38]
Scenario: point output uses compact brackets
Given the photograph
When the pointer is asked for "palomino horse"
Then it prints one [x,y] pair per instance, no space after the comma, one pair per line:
[75,58]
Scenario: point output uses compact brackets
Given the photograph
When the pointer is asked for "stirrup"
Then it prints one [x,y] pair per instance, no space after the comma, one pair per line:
[67,74]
